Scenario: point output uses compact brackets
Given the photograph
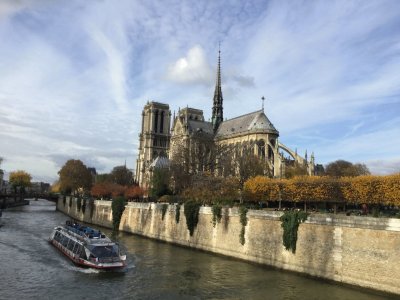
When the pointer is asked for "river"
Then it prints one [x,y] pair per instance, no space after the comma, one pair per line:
[31,268]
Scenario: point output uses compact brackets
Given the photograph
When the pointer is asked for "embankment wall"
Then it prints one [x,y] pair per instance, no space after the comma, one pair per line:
[355,250]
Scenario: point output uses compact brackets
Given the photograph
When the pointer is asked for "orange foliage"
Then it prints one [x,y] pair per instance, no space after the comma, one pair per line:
[358,190]
[107,190]
[134,192]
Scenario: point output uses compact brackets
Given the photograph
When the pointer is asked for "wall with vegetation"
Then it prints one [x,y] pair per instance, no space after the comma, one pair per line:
[356,250]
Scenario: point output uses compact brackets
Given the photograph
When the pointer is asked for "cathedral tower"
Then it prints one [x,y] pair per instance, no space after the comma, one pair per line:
[153,139]
[217,111]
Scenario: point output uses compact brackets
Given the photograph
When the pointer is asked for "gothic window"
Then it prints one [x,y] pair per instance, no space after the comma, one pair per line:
[162,122]
[155,121]
[261,149]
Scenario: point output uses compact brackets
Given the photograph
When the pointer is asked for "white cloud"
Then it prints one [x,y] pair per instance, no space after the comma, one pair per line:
[193,68]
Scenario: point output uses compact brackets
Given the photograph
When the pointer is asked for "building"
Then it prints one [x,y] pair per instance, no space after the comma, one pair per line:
[202,146]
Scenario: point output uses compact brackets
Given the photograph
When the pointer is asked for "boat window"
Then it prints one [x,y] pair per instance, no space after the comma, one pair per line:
[105,251]
[64,241]
[71,245]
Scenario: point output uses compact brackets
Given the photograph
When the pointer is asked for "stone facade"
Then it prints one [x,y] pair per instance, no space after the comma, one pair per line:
[153,140]
[355,250]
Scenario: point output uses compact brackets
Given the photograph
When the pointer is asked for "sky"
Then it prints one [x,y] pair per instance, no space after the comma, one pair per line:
[75,75]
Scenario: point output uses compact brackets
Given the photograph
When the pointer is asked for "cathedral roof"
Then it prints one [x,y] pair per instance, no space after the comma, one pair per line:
[196,126]
[160,162]
[253,122]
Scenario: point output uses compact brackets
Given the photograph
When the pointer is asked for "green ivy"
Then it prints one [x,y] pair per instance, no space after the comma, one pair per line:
[84,206]
[92,207]
[243,220]
[164,208]
[118,207]
[79,203]
[217,213]
[191,210]
[290,224]
[177,213]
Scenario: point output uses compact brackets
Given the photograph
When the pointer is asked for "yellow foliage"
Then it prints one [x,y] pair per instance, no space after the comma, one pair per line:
[358,190]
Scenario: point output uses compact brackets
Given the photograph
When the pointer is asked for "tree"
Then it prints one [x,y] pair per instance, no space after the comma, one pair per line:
[295,170]
[101,178]
[74,177]
[122,176]
[20,179]
[134,192]
[341,168]
[159,182]
[55,187]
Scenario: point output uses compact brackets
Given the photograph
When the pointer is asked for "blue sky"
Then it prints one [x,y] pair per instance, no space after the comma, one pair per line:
[75,75]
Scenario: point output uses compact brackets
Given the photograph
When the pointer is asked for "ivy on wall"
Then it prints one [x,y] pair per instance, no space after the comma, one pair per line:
[92,207]
[243,220]
[79,203]
[164,208]
[191,210]
[290,224]
[177,213]
[217,214]
[117,207]
[84,205]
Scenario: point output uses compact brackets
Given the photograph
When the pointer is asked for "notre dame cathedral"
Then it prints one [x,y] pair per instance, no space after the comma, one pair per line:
[202,146]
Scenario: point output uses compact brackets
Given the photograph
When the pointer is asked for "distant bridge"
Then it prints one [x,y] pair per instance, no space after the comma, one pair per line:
[12,199]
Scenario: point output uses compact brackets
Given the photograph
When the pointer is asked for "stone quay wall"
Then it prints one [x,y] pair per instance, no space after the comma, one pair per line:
[354,250]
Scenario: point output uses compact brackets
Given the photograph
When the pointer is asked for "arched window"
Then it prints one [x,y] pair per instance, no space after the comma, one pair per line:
[261,149]
[162,122]
[155,121]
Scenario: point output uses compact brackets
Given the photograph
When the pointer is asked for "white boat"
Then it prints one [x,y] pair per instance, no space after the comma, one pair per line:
[87,247]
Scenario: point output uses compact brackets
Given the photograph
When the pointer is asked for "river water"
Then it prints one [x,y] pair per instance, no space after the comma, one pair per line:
[31,268]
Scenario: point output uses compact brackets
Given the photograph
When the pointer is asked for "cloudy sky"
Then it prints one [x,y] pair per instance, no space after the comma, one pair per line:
[74,75]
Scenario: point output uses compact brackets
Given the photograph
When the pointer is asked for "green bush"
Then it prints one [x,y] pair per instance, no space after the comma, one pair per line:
[191,210]
[290,224]
[118,207]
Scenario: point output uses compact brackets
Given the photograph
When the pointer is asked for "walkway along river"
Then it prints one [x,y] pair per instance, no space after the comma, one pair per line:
[30,268]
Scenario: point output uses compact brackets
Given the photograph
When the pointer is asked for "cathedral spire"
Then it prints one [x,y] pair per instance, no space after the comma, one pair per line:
[217,111]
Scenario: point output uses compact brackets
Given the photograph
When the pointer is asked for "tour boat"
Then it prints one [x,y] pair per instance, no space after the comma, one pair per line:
[87,247]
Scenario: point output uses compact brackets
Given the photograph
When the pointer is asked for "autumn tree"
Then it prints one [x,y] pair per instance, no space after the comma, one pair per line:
[134,192]
[20,179]
[101,178]
[295,170]
[121,175]
[74,177]
[342,168]
[55,187]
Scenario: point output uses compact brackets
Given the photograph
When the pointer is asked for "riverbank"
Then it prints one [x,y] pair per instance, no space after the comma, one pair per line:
[355,250]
